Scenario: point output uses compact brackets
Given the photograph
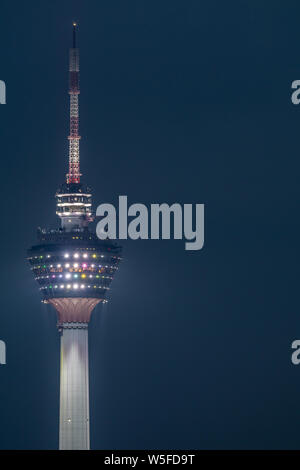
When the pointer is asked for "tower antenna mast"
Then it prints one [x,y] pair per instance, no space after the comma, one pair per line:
[74,157]
[74,35]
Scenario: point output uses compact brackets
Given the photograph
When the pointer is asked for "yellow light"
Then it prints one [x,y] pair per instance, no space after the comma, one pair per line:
[83,276]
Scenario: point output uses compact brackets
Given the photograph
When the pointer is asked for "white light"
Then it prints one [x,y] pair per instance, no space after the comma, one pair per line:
[85,255]
[75,265]
[82,286]
[59,265]
[62,286]
[76,255]
[73,194]
[67,276]
[69,286]
[64,204]
[66,255]
[67,265]
[75,286]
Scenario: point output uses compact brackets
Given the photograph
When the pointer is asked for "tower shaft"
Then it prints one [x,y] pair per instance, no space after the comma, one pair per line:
[73,317]
[74,432]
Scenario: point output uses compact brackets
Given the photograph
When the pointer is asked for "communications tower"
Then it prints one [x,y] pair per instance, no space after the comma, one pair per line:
[73,269]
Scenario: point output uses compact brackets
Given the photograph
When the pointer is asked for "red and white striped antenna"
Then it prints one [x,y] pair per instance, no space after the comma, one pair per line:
[74,158]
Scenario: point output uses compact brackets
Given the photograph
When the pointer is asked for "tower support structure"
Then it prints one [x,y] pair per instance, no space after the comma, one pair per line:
[74,414]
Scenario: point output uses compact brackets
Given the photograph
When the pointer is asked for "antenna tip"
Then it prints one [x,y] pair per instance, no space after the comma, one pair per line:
[74,24]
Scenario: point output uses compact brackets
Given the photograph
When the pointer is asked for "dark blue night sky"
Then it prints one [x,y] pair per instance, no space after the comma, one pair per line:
[181,101]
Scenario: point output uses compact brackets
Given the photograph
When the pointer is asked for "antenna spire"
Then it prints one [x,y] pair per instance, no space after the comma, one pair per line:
[74,35]
[74,164]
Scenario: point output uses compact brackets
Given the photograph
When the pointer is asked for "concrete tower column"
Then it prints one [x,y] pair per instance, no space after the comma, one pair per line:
[74,314]
[74,415]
